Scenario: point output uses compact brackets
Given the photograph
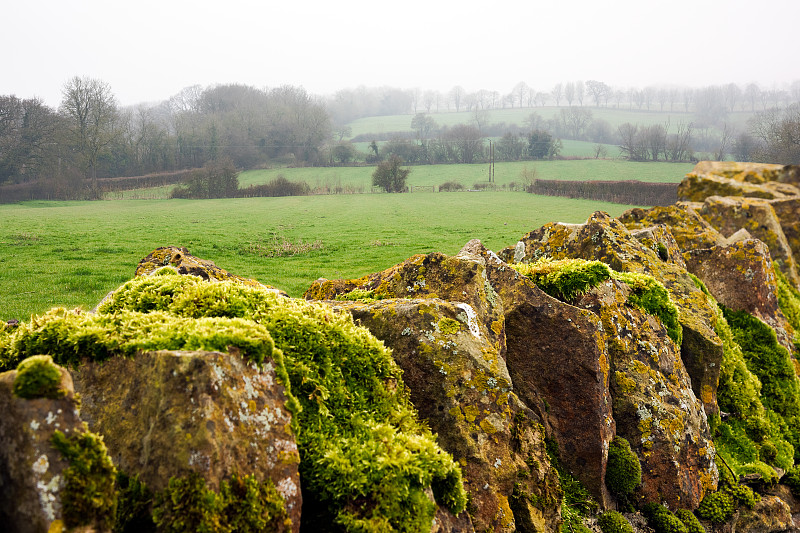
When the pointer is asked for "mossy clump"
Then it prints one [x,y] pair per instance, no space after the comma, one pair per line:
[89,496]
[771,362]
[360,295]
[71,336]
[134,506]
[689,520]
[623,470]
[662,520]
[650,295]
[719,507]
[366,460]
[662,251]
[614,522]
[564,279]
[38,377]
[242,505]
[567,279]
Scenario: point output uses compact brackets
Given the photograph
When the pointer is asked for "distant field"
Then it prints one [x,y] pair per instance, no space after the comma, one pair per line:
[73,253]
[615,117]
[467,175]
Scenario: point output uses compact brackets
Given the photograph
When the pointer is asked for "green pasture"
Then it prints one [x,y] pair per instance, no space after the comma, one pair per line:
[72,253]
[360,178]
[614,116]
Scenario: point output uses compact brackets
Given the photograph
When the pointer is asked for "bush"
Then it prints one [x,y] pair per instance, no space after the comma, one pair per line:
[217,179]
[450,186]
[623,471]
[278,186]
[390,176]
[614,522]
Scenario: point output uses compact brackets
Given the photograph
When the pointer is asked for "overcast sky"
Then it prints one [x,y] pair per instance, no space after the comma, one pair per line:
[148,50]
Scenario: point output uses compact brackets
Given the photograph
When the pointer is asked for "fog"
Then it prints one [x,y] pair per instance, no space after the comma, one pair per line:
[148,50]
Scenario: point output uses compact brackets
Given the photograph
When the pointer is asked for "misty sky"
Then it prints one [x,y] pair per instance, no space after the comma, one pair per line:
[148,50]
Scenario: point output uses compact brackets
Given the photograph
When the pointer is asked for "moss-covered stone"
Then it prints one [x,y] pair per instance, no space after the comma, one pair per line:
[38,377]
[365,459]
[89,496]
[687,227]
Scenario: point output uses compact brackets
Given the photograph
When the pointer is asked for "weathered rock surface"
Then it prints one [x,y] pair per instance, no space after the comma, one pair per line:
[462,388]
[688,228]
[758,217]
[172,413]
[31,470]
[654,406]
[608,240]
[741,277]
[757,180]
[185,263]
[770,515]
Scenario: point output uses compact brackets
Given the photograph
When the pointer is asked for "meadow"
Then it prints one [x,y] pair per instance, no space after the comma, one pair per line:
[615,117]
[72,253]
[505,173]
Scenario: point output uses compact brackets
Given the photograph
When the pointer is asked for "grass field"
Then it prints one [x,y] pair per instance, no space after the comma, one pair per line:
[73,253]
[615,117]
[467,175]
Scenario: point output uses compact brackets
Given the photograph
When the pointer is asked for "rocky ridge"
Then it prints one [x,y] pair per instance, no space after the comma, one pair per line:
[644,364]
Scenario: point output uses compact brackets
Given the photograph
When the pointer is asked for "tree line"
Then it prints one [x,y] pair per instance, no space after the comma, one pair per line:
[89,137]
[63,152]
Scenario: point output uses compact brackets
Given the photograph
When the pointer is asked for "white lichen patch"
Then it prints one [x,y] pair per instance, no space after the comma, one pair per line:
[288,489]
[48,496]
[471,318]
[519,252]
[41,465]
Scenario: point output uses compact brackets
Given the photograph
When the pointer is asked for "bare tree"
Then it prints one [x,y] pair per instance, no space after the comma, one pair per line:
[456,95]
[569,92]
[724,140]
[557,92]
[731,92]
[92,111]
[753,95]
[520,91]
[580,91]
[599,91]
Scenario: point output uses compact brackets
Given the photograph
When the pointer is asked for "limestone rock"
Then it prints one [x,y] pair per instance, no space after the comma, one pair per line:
[741,277]
[758,217]
[462,389]
[655,408]
[788,213]
[608,240]
[173,413]
[31,469]
[770,515]
[659,239]
[756,180]
[185,263]
[688,228]
[507,311]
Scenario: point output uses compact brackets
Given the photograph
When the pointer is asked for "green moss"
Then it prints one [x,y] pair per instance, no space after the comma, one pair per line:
[360,295]
[699,284]
[780,389]
[38,377]
[662,520]
[89,496]
[717,507]
[792,480]
[241,505]
[662,251]
[576,501]
[366,460]
[70,336]
[623,470]
[614,522]
[789,302]
[689,520]
[134,506]
[565,279]
[650,295]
